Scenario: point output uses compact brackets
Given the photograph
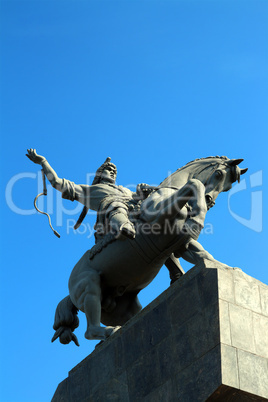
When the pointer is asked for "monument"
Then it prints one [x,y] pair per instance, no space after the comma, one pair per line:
[203,339]
[136,234]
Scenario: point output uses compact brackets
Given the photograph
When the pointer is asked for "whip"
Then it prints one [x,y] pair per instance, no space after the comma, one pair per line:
[39,195]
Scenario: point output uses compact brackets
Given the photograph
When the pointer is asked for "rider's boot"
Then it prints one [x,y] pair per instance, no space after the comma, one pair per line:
[127,230]
[122,226]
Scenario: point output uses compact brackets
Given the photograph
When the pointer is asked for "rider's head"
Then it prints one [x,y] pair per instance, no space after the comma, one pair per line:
[106,173]
[109,173]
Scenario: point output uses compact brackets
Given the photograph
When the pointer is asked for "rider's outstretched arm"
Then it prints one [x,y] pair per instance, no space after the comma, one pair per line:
[52,176]
[90,196]
[59,184]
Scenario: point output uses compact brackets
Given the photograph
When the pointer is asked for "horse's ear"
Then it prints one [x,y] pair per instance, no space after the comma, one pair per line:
[234,162]
[242,171]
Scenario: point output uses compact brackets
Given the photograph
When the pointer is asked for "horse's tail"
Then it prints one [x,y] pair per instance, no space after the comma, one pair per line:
[65,322]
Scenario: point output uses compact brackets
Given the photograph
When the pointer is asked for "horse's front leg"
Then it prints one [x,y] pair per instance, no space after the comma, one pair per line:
[195,253]
[197,202]
[168,204]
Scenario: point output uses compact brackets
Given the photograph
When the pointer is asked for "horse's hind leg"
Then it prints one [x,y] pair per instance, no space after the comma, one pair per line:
[90,304]
[126,307]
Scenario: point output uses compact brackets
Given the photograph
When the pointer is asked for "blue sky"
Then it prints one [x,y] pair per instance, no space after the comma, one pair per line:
[153,85]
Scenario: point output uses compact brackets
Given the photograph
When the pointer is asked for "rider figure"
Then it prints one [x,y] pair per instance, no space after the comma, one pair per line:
[113,213]
[112,202]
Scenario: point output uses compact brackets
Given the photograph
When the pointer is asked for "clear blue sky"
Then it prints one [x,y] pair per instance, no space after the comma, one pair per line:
[153,85]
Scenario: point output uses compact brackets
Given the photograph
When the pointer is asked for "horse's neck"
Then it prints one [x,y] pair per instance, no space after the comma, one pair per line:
[177,179]
[183,175]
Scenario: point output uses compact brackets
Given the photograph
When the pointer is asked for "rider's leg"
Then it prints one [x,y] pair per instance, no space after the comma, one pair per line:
[120,223]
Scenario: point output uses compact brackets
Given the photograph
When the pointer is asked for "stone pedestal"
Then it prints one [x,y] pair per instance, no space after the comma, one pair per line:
[203,339]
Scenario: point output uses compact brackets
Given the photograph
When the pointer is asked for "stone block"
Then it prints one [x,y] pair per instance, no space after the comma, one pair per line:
[229,394]
[247,293]
[229,366]
[203,330]
[253,373]
[62,392]
[260,328]
[166,366]
[207,281]
[199,380]
[139,339]
[226,285]
[203,339]
[115,390]
[182,352]
[241,328]
[184,303]
[224,318]
[144,375]
[165,392]
[264,300]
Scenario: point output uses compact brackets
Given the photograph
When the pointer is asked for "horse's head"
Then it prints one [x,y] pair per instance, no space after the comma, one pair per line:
[217,173]
[218,176]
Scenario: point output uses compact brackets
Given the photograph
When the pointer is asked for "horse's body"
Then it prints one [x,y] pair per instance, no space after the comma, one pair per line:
[106,286]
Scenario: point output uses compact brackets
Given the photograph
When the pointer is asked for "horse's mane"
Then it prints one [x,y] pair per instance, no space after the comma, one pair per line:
[217,157]
[224,158]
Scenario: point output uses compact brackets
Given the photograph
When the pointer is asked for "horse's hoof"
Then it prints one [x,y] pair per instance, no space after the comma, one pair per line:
[109,331]
[116,329]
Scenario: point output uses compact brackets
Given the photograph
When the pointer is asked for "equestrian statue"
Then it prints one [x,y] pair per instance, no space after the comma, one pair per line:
[136,234]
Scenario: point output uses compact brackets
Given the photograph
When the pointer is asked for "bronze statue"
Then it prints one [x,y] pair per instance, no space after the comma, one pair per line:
[104,284]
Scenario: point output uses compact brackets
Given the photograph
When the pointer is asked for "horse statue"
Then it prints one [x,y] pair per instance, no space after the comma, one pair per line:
[104,285]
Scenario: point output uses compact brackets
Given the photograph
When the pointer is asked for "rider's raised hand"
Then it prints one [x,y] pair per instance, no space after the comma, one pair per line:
[34,157]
